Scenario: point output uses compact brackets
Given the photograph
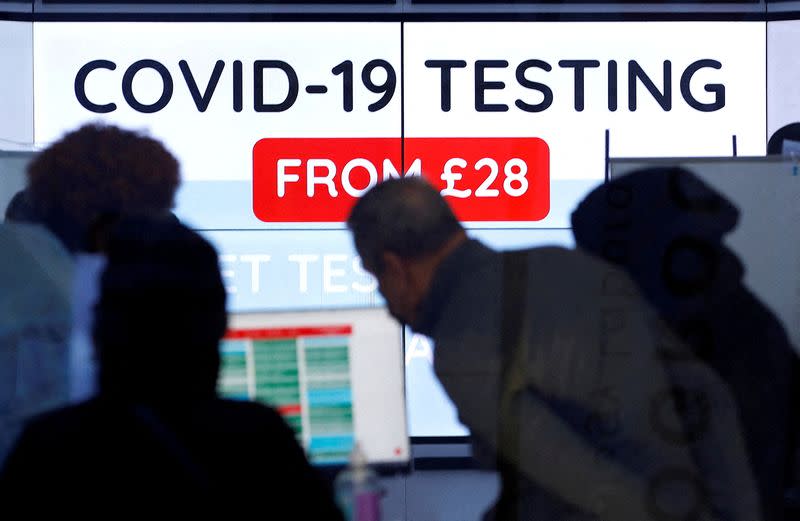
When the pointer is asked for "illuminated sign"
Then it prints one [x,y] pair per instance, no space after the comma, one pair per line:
[319,180]
[280,126]
[228,89]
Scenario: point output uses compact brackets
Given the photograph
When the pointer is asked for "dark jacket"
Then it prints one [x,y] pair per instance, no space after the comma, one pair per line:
[105,457]
[665,228]
[157,436]
[596,430]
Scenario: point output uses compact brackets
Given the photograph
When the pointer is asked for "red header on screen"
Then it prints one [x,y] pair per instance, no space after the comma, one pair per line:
[286,332]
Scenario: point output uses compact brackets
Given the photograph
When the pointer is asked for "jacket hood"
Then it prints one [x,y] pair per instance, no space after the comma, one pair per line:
[665,227]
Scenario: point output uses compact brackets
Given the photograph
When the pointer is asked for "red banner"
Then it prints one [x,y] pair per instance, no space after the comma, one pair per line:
[319,179]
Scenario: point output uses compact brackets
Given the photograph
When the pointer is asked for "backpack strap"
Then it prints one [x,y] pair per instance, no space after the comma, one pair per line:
[514,361]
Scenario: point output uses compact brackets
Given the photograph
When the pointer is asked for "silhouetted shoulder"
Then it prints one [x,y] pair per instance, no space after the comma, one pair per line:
[208,455]
[58,426]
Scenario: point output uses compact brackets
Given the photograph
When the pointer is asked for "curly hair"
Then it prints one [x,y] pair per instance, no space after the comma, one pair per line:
[96,170]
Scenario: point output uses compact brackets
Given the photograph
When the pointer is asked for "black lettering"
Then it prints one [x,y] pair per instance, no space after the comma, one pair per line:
[481,85]
[127,86]
[202,101]
[446,66]
[258,96]
[547,93]
[80,86]
[237,86]
[612,86]
[715,88]
[664,99]
[579,66]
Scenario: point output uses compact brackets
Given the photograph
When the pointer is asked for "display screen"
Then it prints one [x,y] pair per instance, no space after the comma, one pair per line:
[335,376]
[280,126]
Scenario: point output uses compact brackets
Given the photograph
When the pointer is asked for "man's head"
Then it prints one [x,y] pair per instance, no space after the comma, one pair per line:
[402,229]
[98,170]
[161,312]
[665,227]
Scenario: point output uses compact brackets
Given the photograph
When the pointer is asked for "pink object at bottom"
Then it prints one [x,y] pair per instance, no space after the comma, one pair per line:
[368,507]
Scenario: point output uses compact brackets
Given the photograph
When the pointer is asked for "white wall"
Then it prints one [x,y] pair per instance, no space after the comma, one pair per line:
[16,88]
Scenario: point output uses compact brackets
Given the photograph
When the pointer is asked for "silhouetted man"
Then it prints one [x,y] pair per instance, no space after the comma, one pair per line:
[557,367]
[665,227]
[157,435]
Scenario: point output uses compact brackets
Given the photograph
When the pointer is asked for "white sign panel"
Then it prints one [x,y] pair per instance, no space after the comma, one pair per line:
[16,89]
[481,98]
[212,90]
[783,74]
[661,89]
